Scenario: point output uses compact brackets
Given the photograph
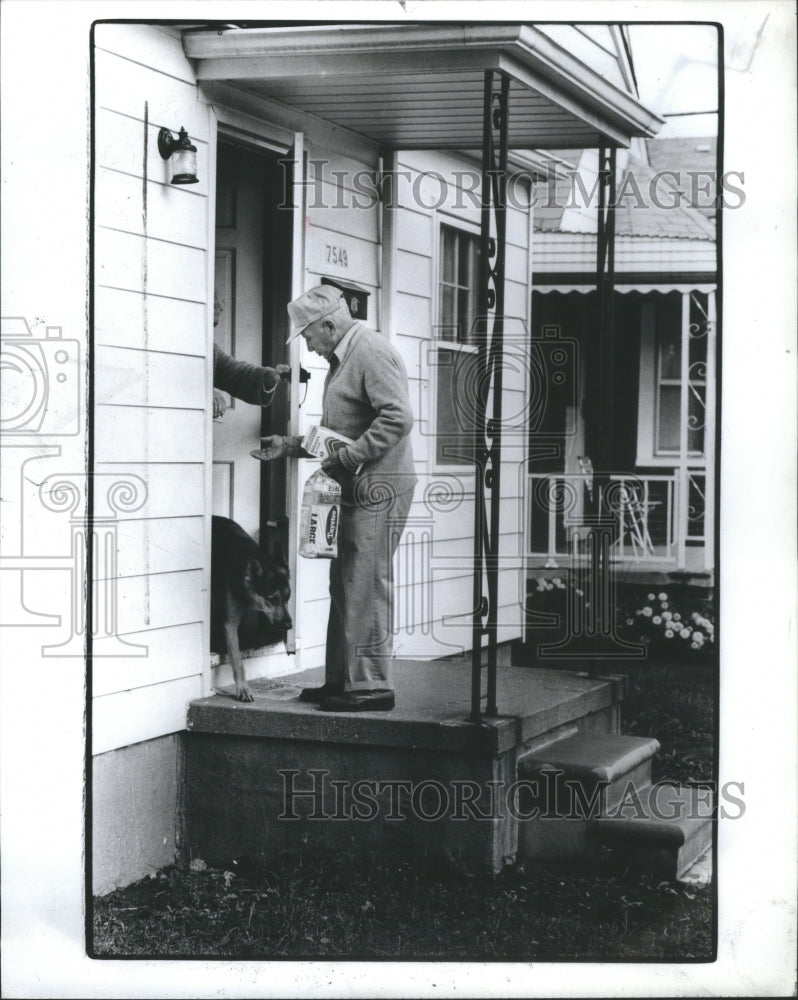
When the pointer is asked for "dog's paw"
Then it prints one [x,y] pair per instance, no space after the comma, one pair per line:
[243,693]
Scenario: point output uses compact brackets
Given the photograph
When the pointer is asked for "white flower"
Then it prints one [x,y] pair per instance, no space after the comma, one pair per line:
[668,634]
[676,626]
[662,597]
[666,616]
[664,604]
[677,617]
[695,645]
[656,620]
[630,621]
[651,597]
[647,612]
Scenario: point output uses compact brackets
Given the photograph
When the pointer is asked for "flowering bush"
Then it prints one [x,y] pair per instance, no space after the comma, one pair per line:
[676,626]
[656,623]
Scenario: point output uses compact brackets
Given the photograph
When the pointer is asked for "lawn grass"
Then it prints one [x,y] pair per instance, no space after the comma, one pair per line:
[312,906]
[309,905]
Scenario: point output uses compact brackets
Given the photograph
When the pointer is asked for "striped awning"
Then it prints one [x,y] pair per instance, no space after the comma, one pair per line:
[421,86]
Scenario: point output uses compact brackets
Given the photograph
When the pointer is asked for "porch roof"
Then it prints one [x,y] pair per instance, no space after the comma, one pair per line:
[421,86]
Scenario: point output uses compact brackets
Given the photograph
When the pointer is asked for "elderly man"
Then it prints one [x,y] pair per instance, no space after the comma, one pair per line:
[365,399]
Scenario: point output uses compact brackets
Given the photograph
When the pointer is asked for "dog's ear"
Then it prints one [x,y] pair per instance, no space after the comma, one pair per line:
[279,556]
[254,570]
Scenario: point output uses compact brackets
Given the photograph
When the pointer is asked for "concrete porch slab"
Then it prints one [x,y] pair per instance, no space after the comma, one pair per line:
[265,775]
[432,709]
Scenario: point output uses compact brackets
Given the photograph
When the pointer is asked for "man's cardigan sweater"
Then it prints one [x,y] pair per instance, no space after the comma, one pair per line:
[366,398]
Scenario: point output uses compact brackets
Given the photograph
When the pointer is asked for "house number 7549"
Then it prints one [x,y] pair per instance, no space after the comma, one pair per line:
[337,255]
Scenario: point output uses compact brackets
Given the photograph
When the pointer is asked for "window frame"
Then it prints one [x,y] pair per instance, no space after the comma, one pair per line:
[649,401]
[455,222]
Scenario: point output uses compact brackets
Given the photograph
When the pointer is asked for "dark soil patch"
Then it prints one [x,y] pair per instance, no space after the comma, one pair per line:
[319,907]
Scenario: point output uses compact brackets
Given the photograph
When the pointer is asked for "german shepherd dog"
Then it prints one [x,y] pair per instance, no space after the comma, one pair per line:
[249,591]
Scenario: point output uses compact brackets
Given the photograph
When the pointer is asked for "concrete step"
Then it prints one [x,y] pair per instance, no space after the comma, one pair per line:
[570,783]
[663,831]
[609,762]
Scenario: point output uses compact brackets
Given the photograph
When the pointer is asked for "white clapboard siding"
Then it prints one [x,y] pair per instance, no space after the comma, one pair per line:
[143,713]
[171,213]
[427,593]
[518,224]
[164,544]
[592,44]
[159,600]
[414,231]
[155,46]
[414,315]
[119,145]
[127,377]
[139,434]
[170,489]
[357,222]
[169,654]
[151,370]
[128,318]
[413,350]
[124,86]
[413,273]
[125,260]
[323,250]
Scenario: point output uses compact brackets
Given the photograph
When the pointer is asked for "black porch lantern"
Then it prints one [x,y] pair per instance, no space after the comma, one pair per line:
[184,164]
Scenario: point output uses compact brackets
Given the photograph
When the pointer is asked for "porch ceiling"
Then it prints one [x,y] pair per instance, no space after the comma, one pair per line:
[421,87]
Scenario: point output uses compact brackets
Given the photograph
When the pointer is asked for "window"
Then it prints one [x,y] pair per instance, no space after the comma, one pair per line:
[458,287]
[455,376]
[673,368]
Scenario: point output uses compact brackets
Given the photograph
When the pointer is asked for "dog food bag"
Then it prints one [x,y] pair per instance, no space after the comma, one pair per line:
[318,524]
[324,443]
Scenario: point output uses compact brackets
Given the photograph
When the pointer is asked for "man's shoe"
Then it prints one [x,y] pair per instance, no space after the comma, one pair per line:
[381,700]
[317,694]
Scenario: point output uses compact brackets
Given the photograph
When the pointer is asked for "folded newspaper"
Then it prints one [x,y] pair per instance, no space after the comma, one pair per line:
[324,443]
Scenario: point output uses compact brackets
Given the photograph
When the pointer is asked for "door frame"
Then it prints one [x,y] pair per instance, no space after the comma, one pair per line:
[229,123]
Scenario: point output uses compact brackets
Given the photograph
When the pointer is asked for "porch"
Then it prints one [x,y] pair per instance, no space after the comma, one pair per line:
[550,776]
[264,775]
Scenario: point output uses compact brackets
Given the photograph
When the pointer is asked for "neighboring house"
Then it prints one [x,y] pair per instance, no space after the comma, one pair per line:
[299,134]
[662,432]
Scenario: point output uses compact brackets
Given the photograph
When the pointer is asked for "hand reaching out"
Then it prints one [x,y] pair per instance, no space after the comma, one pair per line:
[219,404]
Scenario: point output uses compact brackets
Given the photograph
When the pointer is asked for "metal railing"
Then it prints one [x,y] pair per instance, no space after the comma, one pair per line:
[645,508]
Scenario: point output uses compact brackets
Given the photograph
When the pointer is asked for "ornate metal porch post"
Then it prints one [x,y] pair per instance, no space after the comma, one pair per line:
[487,456]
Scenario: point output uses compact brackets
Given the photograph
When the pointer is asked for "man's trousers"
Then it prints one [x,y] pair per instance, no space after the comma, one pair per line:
[359,630]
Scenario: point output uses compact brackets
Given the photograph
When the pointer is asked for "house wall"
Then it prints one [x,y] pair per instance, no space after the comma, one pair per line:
[135,811]
[152,438]
[597,45]
[434,585]
[152,379]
